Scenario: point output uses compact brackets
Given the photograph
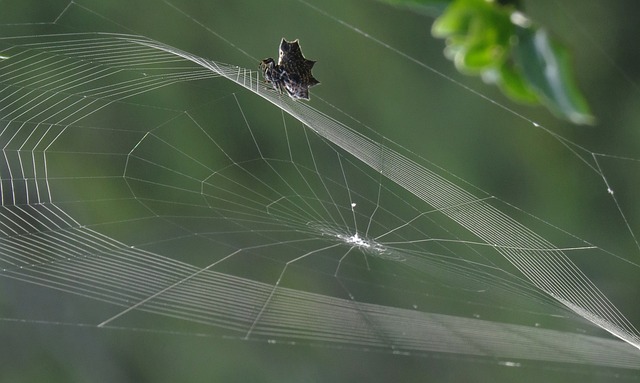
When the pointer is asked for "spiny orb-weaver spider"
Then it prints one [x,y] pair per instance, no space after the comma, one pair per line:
[292,73]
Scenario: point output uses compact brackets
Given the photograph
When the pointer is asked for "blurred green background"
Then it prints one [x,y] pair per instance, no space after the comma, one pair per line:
[398,83]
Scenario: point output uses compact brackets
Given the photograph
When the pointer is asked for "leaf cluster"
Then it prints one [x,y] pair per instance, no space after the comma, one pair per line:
[498,42]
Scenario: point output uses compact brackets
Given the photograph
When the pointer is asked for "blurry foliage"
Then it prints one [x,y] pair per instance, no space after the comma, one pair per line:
[499,43]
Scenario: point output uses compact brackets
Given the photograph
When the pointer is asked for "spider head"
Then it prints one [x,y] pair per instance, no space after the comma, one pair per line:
[268,68]
[267,63]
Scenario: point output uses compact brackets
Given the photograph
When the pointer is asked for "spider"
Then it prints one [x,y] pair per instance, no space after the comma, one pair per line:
[292,73]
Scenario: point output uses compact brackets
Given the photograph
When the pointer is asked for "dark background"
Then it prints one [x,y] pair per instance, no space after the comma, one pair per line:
[424,107]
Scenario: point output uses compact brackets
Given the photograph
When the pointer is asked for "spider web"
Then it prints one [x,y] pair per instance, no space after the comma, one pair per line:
[173,193]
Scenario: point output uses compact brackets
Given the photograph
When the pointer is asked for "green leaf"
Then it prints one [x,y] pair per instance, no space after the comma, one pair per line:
[495,40]
[454,22]
[513,84]
[546,65]
[477,35]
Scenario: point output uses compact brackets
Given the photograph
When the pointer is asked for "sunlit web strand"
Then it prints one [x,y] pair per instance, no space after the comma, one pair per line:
[571,146]
[441,195]
[258,328]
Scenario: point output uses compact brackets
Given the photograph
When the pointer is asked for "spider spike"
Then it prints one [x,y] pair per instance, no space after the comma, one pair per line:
[292,73]
[285,43]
